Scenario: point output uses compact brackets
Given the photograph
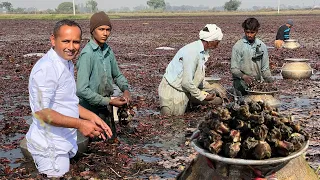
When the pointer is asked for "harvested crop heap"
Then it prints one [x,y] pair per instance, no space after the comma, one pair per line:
[250,131]
[262,87]
[125,114]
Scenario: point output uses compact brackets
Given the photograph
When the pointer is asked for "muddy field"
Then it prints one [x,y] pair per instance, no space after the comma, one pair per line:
[154,146]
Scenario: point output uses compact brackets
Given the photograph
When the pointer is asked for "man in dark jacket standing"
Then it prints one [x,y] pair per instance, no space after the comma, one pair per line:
[98,69]
[283,33]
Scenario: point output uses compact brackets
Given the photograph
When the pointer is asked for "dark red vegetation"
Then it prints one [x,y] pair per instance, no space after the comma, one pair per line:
[154,145]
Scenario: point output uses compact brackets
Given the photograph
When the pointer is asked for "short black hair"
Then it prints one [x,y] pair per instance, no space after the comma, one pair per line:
[251,24]
[62,23]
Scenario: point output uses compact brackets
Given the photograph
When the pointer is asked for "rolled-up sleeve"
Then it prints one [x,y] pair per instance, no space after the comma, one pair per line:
[119,78]
[44,85]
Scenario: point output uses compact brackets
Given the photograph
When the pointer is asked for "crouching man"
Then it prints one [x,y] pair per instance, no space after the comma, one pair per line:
[57,115]
[184,76]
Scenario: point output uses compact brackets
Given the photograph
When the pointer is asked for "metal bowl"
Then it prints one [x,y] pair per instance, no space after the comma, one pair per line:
[82,143]
[238,161]
[291,44]
[267,97]
[212,80]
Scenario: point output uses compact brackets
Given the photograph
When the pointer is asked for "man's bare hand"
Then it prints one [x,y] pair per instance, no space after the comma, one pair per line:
[210,97]
[127,96]
[248,79]
[269,79]
[118,101]
[220,93]
[100,123]
[89,128]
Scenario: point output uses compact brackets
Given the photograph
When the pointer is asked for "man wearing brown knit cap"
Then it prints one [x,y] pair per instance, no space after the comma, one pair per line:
[98,69]
[99,19]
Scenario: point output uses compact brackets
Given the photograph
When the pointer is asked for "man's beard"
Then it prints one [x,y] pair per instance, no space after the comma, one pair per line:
[251,40]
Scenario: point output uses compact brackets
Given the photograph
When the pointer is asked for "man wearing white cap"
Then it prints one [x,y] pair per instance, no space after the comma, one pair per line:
[185,74]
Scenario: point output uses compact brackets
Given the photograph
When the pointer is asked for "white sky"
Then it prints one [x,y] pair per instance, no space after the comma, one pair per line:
[108,4]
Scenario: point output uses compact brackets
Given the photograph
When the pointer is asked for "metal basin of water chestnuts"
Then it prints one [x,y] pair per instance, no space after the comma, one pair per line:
[260,96]
[291,44]
[249,134]
[296,68]
[263,92]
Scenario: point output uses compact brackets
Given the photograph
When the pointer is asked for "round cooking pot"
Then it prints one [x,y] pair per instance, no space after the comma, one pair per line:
[296,68]
[267,97]
[291,44]
[214,84]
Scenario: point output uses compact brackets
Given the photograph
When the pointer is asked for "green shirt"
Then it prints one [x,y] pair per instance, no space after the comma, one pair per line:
[242,61]
[97,71]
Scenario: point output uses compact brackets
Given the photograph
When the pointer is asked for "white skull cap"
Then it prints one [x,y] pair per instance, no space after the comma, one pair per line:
[211,32]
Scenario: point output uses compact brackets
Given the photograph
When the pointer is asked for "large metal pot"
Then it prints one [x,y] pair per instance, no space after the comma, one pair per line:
[238,161]
[82,143]
[293,167]
[212,166]
[291,44]
[296,68]
[267,97]
[214,84]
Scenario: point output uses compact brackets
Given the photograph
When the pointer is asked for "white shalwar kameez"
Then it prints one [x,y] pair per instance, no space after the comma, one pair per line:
[183,75]
[52,85]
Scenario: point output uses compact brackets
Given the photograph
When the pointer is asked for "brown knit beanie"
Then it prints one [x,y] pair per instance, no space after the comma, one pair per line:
[99,19]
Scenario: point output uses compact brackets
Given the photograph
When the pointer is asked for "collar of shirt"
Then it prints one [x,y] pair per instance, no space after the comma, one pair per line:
[254,44]
[96,47]
[202,51]
[54,55]
[200,46]
[247,42]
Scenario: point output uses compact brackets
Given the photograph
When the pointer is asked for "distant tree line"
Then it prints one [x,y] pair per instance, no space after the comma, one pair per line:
[91,6]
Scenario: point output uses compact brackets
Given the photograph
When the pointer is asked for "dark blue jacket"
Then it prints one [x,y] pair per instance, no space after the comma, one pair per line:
[283,33]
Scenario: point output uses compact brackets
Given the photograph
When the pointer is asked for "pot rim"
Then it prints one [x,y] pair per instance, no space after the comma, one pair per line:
[250,92]
[297,59]
[298,70]
[212,78]
[290,40]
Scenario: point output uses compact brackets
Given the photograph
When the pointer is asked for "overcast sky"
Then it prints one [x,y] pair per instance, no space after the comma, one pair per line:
[108,4]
